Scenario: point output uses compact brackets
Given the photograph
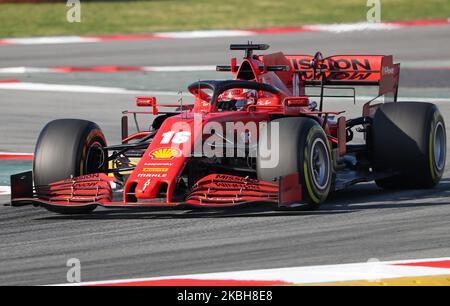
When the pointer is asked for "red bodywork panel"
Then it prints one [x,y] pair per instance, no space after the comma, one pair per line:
[166,157]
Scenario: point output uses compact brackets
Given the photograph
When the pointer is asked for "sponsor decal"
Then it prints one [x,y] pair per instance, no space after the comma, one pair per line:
[333,64]
[83,177]
[357,68]
[165,153]
[236,185]
[154,164]
[388,70]
[152,175]
[155,169]
[232,179]
[176,138]
[146,184]
[264,102]
[84,185]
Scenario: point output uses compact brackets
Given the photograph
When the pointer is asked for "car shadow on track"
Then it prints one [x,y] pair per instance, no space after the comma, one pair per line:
[358,198]
[123,214]
[369,196]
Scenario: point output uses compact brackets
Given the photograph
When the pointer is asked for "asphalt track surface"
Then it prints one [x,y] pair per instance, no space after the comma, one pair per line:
[353,226]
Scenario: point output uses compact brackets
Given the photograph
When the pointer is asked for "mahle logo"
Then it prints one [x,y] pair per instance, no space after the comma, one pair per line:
[74,12]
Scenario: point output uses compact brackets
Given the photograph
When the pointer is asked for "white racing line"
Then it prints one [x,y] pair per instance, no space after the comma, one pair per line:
[350,27]
[48,40]
[26,86]
[179,68]
[204,34]
[105,69]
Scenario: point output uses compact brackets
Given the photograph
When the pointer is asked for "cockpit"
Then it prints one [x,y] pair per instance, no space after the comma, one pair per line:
[232,95]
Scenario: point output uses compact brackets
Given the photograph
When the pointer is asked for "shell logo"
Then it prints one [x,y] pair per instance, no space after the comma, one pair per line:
[165,153]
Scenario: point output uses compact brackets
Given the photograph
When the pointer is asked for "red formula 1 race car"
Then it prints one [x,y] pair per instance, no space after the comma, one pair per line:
[256,139]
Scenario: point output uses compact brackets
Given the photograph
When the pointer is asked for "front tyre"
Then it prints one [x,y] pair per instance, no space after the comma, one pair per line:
[303,148]
[65,148]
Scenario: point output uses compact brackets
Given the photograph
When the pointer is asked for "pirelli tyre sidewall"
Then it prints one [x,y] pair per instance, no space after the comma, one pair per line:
[409,139]
[316,187]
[303,148]
[437,147]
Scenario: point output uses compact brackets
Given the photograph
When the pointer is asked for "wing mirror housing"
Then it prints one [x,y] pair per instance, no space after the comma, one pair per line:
[296,101]
[147,102]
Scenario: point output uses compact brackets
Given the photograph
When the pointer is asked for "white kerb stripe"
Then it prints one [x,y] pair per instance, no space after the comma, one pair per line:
[313,274]
[204,34]
[80,89]
[342,27]
[178,68]
[50,40]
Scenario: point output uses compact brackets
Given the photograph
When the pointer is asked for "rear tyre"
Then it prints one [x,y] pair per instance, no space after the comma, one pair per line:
[303,148]
[65,148]
[409,139]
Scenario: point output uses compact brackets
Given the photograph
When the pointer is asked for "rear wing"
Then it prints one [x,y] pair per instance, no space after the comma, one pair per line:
[349,70]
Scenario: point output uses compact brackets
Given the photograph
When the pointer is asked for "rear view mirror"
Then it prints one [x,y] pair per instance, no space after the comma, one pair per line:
[145,101]
[296,101]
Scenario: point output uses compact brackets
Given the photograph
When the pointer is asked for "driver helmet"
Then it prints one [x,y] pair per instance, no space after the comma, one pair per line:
[240,97]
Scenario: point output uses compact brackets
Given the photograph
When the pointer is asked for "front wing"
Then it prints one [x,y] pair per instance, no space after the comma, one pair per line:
[214,191]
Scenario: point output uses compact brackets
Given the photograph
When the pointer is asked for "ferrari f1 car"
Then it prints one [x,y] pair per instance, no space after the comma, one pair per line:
[259,138]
